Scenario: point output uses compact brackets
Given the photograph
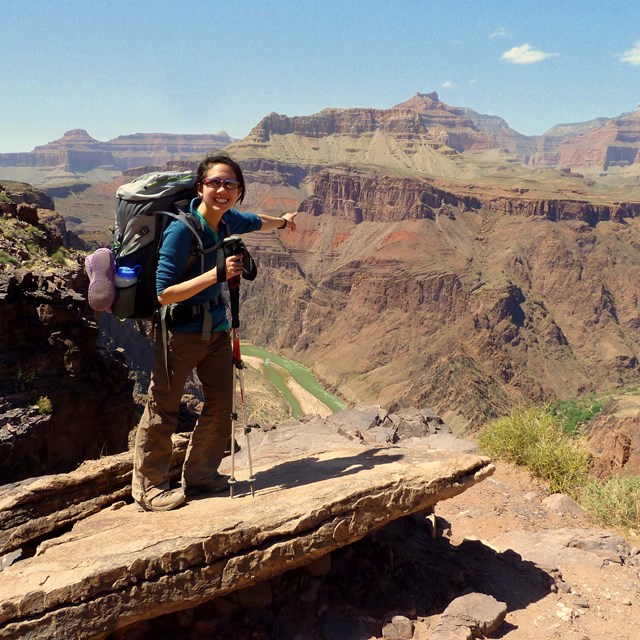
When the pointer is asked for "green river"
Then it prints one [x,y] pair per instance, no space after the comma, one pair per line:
[301,374]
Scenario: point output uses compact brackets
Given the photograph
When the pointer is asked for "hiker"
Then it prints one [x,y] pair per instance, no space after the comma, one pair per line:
[199,339]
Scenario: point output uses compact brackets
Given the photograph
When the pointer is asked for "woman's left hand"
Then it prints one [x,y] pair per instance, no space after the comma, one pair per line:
[290,217]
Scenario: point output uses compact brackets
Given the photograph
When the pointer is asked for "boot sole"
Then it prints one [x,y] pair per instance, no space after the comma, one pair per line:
[140,506]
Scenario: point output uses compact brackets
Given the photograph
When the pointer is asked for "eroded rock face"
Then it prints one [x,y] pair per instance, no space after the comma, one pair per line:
[463,299]
[359,198]
[614,442]
[603,143]
[78,152]
[62,399]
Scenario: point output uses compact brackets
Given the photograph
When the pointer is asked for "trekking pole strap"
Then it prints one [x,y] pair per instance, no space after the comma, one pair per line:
[234,300]
[221,266]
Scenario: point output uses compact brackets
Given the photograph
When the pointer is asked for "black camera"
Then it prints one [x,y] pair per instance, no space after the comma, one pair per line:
[233,246]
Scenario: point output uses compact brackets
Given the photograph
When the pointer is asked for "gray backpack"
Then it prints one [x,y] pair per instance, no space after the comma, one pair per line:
[144,208]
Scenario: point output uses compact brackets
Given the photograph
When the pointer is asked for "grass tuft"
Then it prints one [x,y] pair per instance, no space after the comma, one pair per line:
[536,438]
[614,503]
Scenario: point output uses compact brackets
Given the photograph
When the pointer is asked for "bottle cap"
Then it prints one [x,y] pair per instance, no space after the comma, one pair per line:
[129,272]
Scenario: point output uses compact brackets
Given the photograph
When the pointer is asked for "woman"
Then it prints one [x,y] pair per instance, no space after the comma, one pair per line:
[199,340]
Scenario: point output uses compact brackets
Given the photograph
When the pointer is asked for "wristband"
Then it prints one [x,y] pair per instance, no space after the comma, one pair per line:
[284,224]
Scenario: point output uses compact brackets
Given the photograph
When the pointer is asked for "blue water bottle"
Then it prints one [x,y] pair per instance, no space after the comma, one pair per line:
[125,280]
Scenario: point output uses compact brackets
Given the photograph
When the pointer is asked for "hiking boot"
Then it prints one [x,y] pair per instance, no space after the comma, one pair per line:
[163,501]
[101,267]
[219,484]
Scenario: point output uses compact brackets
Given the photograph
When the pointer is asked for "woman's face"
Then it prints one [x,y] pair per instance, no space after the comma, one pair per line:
[219,196]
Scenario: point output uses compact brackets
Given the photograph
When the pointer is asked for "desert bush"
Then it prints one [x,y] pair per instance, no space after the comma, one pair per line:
[535,438]
[25,376]
[615,503]
[59,256]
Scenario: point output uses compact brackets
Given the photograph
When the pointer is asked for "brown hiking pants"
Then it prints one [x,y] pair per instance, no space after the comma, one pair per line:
[212,359]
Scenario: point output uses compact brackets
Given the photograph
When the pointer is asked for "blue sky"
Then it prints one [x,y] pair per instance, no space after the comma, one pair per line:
[129,66]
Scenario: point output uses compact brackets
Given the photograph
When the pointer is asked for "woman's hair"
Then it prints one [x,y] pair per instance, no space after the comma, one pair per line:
[210,160]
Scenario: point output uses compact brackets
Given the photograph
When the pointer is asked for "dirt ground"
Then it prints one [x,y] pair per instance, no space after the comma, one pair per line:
[593,598]
[597,600]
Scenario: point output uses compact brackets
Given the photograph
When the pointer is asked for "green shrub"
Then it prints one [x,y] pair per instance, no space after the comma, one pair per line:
[34,233]
[575,413]
[25,376]
[32,248]
[59,257]
[615,503]
[535,438]
[5,258]
[44,405]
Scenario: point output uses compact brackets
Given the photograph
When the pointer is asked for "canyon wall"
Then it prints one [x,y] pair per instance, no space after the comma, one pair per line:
[398,291]
[62,398]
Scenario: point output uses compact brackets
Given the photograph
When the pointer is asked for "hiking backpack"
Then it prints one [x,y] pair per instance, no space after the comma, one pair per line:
[144,208]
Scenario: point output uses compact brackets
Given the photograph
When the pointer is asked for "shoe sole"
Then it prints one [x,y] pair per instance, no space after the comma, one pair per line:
[100,266]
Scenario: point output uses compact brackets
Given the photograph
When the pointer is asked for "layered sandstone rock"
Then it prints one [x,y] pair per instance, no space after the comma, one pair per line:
[601,144]
[78,152]
[119,566]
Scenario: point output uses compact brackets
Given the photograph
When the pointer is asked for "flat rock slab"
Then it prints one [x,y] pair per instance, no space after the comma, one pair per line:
[121,565]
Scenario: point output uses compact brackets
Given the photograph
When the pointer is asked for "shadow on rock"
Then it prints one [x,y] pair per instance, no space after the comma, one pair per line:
[314,469]
[399,569]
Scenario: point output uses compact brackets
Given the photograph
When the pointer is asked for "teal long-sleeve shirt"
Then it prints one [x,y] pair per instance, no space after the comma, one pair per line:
[176,251]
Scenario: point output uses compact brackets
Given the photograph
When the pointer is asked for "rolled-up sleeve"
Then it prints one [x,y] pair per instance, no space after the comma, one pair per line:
[241,222]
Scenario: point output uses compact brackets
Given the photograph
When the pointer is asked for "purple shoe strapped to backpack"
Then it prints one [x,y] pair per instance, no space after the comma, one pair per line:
[101,269]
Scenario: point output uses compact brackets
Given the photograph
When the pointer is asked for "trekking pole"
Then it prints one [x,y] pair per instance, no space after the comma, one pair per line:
[239,373]
[238,376]
[234,418]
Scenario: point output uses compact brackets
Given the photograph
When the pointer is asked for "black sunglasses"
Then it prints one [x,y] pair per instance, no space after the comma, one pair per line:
[216,183]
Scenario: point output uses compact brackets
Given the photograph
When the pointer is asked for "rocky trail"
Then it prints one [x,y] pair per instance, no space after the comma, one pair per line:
[596,592]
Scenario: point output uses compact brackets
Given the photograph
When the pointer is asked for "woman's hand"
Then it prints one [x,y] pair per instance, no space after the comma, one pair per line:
[290,218]
[234,266]
[183,290]
[270,223]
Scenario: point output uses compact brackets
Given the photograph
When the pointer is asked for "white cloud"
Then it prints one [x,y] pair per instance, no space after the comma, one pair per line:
[448,84]
[524,54]
[500,32]
[632,56]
